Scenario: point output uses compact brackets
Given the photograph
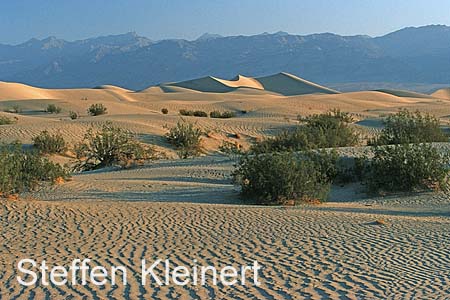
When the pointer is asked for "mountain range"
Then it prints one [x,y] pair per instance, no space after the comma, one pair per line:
[410,55]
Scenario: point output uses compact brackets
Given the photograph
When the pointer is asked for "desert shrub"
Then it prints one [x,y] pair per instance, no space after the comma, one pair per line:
[73,115]
[199,113]
[6,121]
[407,127]
[22,170]
[165,111]
[15,109]
[275,178]
[53,109]
[192,113]
[97,109]
[186,138]
[224,115]
[326,130]
[185,112]
[406,167]
[49,143]
[232,150]
[110,146]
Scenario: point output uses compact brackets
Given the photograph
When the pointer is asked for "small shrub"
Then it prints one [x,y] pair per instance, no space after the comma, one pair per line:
[224,115]
[275,178]
[165,111]
[230,149]
[407,167]
[199,113]
[110,146]
[6,121]
[22,170]
[327,130]
[406,127]
[15,109]
[48,143]
[73,115]
[97,109]
[185,112]
[186,138]
[53,109]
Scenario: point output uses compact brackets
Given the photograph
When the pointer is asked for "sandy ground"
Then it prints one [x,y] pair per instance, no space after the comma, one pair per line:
[189,209]
[326,252]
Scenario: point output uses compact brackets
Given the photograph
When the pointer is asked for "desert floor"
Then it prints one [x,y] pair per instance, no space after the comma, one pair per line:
[186,209]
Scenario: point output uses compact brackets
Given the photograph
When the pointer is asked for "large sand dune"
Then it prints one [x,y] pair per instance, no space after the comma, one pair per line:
[282,83]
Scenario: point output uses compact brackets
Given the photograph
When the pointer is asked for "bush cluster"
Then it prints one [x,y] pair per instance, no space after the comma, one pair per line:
[408,127]
[193,113]
[326,130]
[203,114]
[110,146]
[6,121]
[222,115]
[22,170]
[53,109]
[275,178]
[15,109]
[406,167]
[49,143]
[97,109]
[186,138]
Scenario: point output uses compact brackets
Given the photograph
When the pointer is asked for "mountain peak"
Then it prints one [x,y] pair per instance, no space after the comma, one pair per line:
[208,36]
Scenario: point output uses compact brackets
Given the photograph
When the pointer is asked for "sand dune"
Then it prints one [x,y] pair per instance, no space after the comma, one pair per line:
[16,91]
[442,93]
[287,84]
[282,83]
[402,93]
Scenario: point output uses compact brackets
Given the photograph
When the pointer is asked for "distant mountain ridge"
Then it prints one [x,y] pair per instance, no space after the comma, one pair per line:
[409,55]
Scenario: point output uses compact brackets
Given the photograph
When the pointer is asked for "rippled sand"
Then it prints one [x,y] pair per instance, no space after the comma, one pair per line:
[331,251]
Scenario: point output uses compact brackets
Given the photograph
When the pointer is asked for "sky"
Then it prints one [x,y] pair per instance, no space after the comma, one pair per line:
[21,20]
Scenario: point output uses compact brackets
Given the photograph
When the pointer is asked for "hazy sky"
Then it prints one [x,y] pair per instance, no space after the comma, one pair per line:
[21,20]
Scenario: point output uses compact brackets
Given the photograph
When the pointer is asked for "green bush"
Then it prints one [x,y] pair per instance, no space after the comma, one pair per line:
[6,121]
[199,113]
[185,112]
[186,138]
[224,115]
[275,178]
[97,109]
[192,113]
[22,170]
[165,111]
[73,115]
[406,127]
[326,130]
[15,109]
[53,109]
[110,146]
[49,143]
[233,150]
[407,167]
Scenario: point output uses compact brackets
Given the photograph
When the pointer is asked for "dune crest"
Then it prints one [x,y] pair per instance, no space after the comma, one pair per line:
[282,83]
[442,93]
[17,91]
